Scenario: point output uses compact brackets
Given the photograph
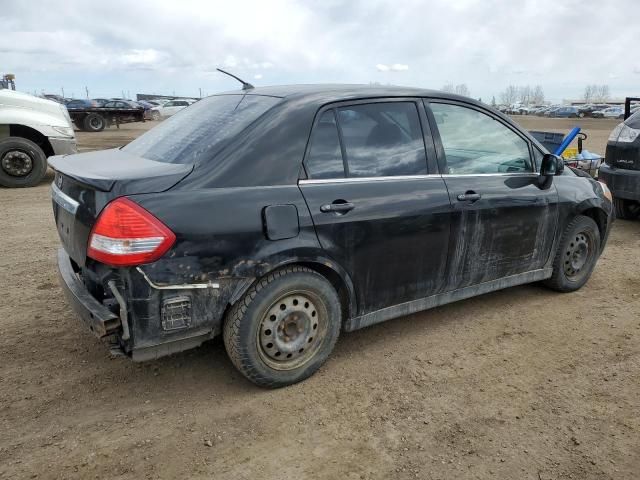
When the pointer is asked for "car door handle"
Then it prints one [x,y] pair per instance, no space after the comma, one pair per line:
[469,197]
[342,207]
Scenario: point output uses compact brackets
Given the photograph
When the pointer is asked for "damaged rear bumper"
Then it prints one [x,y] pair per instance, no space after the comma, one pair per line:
[100,320]
[142,316]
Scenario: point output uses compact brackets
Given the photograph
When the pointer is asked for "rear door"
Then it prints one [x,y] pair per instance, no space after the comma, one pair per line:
[503,222]
[378,207]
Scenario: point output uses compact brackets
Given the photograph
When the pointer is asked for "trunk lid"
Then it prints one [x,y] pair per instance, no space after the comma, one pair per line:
[86,182]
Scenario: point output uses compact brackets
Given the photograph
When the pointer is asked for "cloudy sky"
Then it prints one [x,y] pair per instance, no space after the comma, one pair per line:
[173,47]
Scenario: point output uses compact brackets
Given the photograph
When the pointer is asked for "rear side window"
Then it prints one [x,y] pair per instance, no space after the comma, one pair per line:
[325,157]
[196,133]
[382,139]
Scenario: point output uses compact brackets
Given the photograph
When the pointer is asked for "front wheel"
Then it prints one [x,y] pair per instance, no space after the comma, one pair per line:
[284,328]
[577,254]
[626,209]
[22,162]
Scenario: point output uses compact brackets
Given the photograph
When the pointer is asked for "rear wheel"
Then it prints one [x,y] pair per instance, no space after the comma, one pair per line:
[94,122]
[626,209]
[155,115]
[22,162]
[576,256]
[284,327]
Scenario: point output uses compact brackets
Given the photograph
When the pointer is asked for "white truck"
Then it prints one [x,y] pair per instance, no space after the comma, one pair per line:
[31,129]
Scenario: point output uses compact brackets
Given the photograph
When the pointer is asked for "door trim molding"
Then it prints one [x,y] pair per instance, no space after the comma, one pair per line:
[312,181]
[439,299]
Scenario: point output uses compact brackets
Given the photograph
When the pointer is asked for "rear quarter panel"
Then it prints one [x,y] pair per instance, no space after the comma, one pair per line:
[221,234]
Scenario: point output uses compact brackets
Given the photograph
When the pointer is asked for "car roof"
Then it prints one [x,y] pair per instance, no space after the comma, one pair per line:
[327,93]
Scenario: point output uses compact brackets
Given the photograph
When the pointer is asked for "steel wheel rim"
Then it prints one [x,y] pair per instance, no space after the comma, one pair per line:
[578,254]
[17,163]
[95,122]
[292,330]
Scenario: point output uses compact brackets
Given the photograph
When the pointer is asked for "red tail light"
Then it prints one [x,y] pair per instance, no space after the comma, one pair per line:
[126,234]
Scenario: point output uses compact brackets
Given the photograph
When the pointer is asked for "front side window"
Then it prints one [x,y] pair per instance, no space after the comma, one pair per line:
[382,139]
[476,143]
[325,157]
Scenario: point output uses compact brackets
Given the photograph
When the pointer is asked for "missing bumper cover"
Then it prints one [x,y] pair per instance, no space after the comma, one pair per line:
[176,313]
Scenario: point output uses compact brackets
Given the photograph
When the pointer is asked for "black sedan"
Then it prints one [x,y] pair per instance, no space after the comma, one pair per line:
[278,217]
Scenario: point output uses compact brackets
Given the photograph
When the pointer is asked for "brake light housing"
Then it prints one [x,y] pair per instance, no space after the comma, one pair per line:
[125,234]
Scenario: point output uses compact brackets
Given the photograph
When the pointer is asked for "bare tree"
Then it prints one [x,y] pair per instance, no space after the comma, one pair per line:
[588,94]
[462,89]
[596,93]
[602,93]
[524,93]
[448,88]
[509,95]
[537,97]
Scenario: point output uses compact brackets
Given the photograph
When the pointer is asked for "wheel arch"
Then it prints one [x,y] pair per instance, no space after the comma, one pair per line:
[333,272]
[598,215]
[23,131]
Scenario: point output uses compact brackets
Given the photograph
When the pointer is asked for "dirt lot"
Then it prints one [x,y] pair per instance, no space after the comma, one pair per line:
[520,384]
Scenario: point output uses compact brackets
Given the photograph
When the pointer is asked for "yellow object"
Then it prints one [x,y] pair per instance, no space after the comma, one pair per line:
[570,152]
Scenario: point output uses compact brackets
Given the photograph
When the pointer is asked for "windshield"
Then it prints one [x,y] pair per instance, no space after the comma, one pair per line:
[195,133]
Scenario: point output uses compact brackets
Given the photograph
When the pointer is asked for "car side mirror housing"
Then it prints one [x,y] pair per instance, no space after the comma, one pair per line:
[551,165]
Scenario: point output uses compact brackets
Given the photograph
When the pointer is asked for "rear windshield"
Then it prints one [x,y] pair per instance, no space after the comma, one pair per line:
[195,133]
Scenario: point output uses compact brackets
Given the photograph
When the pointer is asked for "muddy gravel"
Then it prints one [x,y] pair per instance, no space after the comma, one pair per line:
[523,383]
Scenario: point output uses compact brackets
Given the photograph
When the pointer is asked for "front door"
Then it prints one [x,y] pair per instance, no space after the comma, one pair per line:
[376,209]
[503,223]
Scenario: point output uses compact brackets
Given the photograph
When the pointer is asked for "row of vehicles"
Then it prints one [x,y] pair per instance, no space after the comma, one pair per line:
[569,111]
[94,115]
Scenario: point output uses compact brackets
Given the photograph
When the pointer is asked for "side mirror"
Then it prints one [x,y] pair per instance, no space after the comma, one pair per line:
[551,165]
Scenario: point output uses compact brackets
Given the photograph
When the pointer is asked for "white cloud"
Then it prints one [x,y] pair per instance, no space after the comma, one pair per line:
[257,76]
[162,47]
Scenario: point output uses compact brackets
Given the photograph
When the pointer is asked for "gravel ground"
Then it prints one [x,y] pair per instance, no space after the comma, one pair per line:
[523,383]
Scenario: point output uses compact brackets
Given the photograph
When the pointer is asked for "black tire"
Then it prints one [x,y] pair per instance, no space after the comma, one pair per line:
[576,256]
[94,122]
[626,209]
[257,330]
[22,163]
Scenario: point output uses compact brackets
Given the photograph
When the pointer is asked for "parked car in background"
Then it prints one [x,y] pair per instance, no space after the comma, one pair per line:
[55,98]
[101,101]
[611,112]
[564,112]
[31,129]
[169,108]
[588,109]
[278,218]
[621,171]
[147,107]
[79,104]
[550,110]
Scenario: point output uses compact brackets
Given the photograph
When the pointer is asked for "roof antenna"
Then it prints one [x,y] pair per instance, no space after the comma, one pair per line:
[245,85]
